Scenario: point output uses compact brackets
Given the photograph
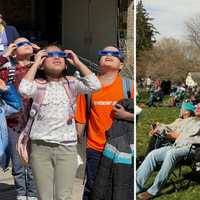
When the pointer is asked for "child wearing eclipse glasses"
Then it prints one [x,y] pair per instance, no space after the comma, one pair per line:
[14,64]
[53,135]
[102,111]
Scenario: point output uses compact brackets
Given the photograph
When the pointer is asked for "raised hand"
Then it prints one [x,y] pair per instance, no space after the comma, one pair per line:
[35,47]
[10,50]
[72,58]
[40,57]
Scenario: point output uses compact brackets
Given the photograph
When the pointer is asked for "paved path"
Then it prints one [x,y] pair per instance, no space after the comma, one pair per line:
[7,191]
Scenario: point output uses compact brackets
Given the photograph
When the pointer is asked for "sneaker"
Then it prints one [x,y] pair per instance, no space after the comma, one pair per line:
[197,166]
[145,196]
[32,198]
[21,198]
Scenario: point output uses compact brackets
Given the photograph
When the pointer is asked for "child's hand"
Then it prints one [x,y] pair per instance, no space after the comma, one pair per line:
[3,86]
[10,50]
[36,48]
[72,58]
[40,57]
[119,111]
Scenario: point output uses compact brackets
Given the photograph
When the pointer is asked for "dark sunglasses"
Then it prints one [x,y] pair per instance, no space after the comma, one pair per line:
[117,54]
[25,43]
[59,54]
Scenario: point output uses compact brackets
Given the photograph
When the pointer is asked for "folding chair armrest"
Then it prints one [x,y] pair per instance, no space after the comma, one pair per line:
[189,152]
[196,145]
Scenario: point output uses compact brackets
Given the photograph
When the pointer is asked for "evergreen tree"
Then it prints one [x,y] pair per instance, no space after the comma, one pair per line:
[145,31]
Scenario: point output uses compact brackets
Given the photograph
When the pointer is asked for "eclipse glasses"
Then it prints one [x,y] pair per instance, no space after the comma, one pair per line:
[25,43]
[59,54]
[117,54]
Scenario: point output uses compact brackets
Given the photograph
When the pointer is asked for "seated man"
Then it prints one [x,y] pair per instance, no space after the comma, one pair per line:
[186,133]
[158,139]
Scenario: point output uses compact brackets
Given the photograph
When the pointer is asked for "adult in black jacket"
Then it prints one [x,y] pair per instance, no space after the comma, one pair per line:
[115,175]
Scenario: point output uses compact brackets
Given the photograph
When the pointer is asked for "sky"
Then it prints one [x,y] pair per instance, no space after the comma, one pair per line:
[170,16]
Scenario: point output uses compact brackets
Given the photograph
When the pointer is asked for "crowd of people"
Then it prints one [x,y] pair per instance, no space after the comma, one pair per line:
[169,143]
[44,112]
[177,92]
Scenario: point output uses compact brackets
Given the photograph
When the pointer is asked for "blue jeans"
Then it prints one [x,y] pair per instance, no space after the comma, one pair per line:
[5,111]
[168,156]
[92,163]
[23,178]
[10,103]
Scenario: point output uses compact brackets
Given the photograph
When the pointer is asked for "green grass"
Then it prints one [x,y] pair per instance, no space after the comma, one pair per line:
[164,115]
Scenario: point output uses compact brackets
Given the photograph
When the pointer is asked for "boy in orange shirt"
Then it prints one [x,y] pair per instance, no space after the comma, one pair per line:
[102,111]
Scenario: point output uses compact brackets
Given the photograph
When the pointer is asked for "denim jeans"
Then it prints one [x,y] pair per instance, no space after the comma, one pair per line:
[5,110]
[92,163]
[23,178]
[167,156]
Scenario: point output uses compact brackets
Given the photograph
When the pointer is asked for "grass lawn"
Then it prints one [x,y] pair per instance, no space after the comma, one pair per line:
[164,115]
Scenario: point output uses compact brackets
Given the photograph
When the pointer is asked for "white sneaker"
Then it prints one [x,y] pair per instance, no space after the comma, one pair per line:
[32,198]
[21,198]
[197,167]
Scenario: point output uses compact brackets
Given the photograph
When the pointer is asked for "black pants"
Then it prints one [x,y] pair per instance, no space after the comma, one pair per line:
[92,164]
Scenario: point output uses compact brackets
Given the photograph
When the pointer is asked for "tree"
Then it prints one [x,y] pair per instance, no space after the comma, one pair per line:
[193,30]
[145,32]
[169,59]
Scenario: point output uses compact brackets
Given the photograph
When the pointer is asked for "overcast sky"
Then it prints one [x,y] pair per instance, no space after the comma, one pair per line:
[169,16]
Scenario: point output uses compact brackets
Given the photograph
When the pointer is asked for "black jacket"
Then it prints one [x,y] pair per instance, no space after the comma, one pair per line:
[115,176]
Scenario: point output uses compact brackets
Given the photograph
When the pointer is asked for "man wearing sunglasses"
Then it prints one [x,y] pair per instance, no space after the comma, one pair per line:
[186,134]
[103,109]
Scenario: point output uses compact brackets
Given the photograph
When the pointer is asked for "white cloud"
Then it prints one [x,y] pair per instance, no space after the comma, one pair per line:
[170,16]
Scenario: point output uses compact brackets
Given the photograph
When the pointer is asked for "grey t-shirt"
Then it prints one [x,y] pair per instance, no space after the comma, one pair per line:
[189,130]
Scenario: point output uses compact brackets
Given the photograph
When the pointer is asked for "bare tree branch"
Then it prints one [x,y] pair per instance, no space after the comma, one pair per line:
[193,30]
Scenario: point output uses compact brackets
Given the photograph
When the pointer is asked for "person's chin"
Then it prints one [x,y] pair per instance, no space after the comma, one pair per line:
[28,53]
[111,66]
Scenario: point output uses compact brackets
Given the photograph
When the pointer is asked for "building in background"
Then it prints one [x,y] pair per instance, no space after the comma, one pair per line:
[126,33]
[84,26]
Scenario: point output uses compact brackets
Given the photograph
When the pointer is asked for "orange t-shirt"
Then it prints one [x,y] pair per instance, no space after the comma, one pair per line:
[100,113]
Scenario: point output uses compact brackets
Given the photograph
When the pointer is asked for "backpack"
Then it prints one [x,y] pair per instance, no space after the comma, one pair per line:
[23,143]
